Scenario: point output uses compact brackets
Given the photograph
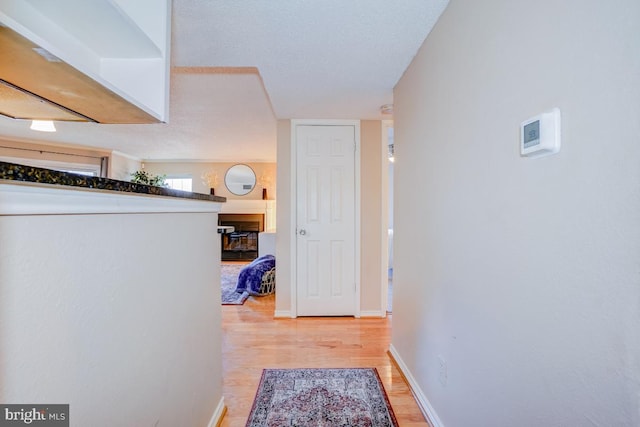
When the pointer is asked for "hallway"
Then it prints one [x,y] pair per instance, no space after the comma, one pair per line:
[253,340]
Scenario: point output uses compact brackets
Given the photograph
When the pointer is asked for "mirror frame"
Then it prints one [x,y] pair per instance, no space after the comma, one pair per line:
[250,179]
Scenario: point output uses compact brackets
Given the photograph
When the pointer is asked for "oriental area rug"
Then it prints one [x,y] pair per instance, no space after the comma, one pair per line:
[228,280]
[321,398]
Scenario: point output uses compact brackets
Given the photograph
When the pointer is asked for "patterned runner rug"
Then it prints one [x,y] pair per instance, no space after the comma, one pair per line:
[321,398]
[228,280]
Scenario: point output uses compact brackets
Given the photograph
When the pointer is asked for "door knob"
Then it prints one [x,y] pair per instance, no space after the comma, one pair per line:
[303,232]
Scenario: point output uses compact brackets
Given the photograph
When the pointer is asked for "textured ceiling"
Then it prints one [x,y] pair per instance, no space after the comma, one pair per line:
[318,58]
[285,59]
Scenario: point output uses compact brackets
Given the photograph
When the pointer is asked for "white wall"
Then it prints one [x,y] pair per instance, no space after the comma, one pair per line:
[116,314]
[373,228]
[284,223]
[521,274]
[196,169]
[121,166]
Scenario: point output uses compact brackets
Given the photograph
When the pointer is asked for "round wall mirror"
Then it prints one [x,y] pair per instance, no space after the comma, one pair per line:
[240,179]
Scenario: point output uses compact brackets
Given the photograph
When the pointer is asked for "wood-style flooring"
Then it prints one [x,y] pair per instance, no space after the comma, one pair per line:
[253,340]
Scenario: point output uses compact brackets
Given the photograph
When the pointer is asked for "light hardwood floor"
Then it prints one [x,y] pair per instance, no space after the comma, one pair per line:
[253,340]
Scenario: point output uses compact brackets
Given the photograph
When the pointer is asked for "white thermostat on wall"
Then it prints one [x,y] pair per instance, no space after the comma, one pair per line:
[540,135]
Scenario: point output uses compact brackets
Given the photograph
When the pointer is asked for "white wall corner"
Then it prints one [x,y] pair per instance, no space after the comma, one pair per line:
[373,313]
[218,414]
[282,314]
[424,404]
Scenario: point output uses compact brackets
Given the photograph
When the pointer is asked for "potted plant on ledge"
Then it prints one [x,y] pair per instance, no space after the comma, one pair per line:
[144,177]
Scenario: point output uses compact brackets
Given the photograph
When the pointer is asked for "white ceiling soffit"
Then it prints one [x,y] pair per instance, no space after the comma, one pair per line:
[318,58]
[118,43]
[216,115]
[100,26]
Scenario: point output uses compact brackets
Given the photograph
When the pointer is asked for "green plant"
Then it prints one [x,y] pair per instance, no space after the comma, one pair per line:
[144,177]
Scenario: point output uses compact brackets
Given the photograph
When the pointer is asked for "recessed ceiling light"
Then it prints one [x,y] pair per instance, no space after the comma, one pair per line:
[43,126]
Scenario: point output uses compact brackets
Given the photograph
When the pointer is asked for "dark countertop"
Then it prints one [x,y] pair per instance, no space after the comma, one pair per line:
[22,173]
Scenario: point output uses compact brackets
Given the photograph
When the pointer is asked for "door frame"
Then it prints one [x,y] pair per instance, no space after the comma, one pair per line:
[293,207]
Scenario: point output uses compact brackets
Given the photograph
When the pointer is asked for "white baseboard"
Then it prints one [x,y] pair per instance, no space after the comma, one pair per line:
[373,313]
[279,314]
[426,408]
[218,414]
[286,314]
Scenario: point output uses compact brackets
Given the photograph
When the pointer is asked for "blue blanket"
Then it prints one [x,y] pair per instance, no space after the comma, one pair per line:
[250,276]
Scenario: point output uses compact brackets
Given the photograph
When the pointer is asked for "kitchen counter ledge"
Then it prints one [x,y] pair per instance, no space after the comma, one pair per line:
[30,174]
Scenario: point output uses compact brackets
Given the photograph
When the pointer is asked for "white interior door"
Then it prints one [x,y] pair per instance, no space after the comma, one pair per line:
[326,220]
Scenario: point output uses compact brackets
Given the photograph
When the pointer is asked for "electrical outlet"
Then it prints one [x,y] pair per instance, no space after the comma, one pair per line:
[442,376]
